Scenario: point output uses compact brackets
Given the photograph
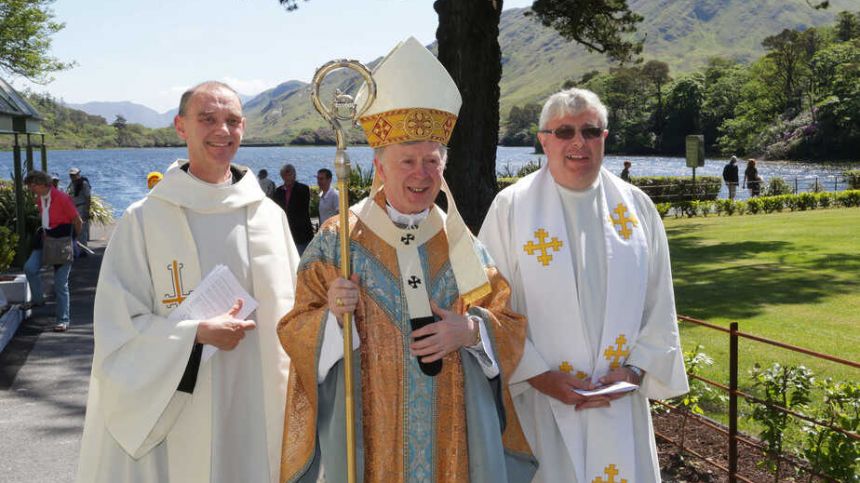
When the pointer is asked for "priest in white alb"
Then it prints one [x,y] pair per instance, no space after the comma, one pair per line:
[588,262]
[191,400]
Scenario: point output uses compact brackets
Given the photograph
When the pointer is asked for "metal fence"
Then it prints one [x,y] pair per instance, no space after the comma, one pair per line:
[734,394]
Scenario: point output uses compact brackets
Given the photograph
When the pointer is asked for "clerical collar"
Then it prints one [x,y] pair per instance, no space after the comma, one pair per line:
[405,219]
[588,191]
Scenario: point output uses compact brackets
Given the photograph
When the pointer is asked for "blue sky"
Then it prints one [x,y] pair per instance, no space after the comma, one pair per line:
[150,51]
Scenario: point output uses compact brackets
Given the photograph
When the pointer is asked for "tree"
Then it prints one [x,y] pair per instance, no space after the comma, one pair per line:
[468,40]
[657,73]
[26,27]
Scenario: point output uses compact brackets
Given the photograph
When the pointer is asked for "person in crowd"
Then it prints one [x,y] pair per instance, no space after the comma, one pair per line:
[329,198]
[588,262]
[752,180]
[267,185]
[730,176]
[202,399]
[625,173]
[55,180]
[295,199]
[81,192]
[60,219]
[153,178]
[434,338]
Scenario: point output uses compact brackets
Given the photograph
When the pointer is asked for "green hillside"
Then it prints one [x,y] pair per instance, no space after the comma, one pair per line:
[536,61]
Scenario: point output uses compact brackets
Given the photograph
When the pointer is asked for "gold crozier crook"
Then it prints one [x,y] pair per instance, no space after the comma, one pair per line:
[343,109]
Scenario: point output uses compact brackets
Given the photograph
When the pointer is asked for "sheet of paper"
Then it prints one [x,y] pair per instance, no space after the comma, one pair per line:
[617,387]
[215,295]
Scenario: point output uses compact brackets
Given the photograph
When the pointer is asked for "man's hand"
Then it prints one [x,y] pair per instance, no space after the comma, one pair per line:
[618,375]
[224,331]
[443,336]
[560,385]
[343,297]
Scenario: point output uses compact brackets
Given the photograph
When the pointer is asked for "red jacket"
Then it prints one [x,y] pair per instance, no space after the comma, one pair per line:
[62,210]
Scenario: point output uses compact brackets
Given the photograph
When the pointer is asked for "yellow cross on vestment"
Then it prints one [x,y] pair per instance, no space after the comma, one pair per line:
[566,368]
[619,217]
[178,295]
[544,258]
[611,472]
[615,353]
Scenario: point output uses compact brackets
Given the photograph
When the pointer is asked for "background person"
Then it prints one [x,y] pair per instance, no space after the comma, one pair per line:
[59,219]
[730,176]
[295,199]
[329,199]
[267,185]
[588,262]
[752,180]
[625,173]
[153,178]
[80,190]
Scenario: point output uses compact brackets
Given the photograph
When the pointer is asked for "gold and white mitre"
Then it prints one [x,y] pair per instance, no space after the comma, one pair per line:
[416,99]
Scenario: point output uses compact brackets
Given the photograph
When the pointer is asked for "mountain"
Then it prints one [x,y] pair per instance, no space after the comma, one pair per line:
[133,113]
[536,60]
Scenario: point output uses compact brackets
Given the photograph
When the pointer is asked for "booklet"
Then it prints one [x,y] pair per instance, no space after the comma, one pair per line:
[615,388]
[215,295]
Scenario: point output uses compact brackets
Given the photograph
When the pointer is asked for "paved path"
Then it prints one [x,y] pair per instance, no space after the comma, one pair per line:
[43,383]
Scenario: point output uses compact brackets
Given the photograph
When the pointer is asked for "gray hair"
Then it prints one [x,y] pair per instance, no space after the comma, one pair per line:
[442,149]
[572,102]
[186,96]
[288,168]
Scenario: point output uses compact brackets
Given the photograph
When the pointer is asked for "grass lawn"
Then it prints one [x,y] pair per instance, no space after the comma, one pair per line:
[793,277]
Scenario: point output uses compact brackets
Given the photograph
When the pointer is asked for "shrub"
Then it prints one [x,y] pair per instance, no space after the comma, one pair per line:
[101,212]
[777,186]
[528,168]
[806,201]
[832,452]
[663,209]
[848,198]
[727,207]
[824,199]
[755,206]
[853,178]
[678,188]
[772,204]
[8,247]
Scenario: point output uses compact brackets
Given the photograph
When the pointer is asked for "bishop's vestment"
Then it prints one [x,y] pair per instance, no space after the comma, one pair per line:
[457,426]
[591,272]
[152,415]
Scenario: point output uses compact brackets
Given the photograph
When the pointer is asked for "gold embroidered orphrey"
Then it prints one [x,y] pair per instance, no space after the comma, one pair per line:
[544,258]
[566,368]
[611,472]
[620,217]
[615,353]
[178,295]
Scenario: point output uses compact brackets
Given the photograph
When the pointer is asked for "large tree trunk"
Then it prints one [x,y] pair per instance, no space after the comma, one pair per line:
[468,37]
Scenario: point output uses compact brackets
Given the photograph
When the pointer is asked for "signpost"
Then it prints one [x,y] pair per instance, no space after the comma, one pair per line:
[695,152]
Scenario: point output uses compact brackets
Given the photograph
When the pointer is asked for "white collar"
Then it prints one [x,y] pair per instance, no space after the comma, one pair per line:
[409,220]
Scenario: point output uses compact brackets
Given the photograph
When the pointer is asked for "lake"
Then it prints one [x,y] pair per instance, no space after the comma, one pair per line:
[119,175]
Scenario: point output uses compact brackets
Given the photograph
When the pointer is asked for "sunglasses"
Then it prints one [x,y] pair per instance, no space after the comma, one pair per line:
[568,132]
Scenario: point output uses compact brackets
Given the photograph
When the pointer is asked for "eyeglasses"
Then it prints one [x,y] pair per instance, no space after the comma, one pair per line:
[568,132]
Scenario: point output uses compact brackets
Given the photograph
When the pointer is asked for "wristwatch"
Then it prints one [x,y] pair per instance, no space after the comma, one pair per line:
[636,371]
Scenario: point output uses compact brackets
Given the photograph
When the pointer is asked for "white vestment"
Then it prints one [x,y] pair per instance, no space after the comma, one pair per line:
[591,284]
[138,427]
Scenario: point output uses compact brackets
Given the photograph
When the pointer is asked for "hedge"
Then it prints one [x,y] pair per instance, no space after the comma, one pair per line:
[762,204]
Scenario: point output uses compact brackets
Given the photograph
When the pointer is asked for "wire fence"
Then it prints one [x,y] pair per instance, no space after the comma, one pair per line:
[734,394]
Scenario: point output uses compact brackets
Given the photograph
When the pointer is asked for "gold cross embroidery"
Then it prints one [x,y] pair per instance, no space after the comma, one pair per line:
[617,352]
[619,217]
[566,368]
[611,472]
[178,294]
[544,258]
